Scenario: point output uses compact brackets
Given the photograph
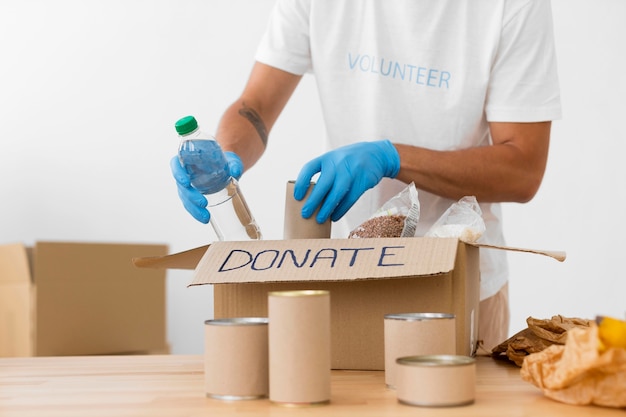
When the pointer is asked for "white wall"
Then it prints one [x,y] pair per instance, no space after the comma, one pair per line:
[89,92]
[580,207]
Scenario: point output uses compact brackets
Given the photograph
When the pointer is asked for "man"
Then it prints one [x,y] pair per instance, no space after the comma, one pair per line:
[457,97]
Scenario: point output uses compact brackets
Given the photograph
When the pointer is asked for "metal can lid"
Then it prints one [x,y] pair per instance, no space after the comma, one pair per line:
[419,316]
[238,321]
[299,293]
[436,360]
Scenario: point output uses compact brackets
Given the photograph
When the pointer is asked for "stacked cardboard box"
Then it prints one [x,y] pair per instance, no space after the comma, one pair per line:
[65,298]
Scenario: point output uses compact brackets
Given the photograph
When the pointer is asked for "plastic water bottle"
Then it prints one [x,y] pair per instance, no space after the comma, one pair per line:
[202,157]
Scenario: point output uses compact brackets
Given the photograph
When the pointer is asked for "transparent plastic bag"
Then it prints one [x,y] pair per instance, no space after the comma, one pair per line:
[398,217]
[462,220]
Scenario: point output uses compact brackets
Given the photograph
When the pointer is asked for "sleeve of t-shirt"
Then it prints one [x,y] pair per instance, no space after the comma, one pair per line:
[285,44]
[524,85]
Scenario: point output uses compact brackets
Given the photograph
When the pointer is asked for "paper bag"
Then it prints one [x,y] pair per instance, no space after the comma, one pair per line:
[539,335]
[579,372]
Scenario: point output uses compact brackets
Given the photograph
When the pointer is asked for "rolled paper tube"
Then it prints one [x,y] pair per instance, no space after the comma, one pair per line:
[299,347]
[296,226]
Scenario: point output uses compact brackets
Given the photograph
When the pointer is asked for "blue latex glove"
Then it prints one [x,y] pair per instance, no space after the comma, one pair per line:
[193,201]
[345,174]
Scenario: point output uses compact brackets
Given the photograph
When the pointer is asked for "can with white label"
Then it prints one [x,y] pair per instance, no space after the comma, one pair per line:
[236,358]
[436,380]
[411,334]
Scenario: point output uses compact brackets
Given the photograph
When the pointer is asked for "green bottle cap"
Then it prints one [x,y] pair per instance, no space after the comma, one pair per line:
[186,125]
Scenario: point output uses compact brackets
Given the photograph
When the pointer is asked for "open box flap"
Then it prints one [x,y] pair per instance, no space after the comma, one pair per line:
[188,259]
[558,255]
[325,260]
[427,264]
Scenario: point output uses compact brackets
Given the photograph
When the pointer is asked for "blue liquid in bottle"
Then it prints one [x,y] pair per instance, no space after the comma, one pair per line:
[202,157]
[206,165]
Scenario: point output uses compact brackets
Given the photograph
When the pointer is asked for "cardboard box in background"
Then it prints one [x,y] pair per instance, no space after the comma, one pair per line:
[64,298]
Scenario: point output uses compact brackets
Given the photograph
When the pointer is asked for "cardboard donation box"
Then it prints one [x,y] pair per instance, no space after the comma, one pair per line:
[367,279]
[80,299]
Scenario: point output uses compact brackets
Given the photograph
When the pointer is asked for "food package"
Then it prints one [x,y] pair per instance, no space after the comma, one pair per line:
[540,334]
[462,219]
[398,217]
[583,371]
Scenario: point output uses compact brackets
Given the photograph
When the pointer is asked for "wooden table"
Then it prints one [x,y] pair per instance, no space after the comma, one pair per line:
[172,386]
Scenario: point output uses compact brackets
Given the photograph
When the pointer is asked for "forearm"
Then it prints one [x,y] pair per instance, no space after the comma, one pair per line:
[479,172]
[242,130]
[511,170]
[245,126]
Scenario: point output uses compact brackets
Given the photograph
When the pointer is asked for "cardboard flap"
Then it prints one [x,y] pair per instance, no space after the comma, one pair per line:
[184,260]
[209,255]
[325,260]
[14,265]
[558,255]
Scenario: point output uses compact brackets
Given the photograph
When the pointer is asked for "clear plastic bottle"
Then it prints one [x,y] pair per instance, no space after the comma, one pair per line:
[202,157]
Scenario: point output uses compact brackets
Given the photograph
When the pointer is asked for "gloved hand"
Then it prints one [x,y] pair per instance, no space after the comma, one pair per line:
[193,201]
[345,174]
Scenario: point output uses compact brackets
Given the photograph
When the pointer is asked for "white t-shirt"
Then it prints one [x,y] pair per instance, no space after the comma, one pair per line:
[429,73]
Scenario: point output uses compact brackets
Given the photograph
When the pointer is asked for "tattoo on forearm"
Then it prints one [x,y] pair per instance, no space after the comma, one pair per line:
[254,118]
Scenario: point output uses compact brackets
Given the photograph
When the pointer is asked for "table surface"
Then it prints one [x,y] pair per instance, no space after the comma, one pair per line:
[172,386]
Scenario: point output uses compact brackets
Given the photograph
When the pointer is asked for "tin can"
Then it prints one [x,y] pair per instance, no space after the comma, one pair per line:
[296,226]
[236,358]
[436,380]
[299,347]
[411,334]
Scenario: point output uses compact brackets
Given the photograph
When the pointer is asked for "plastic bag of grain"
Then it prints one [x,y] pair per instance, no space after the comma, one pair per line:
[398,217]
